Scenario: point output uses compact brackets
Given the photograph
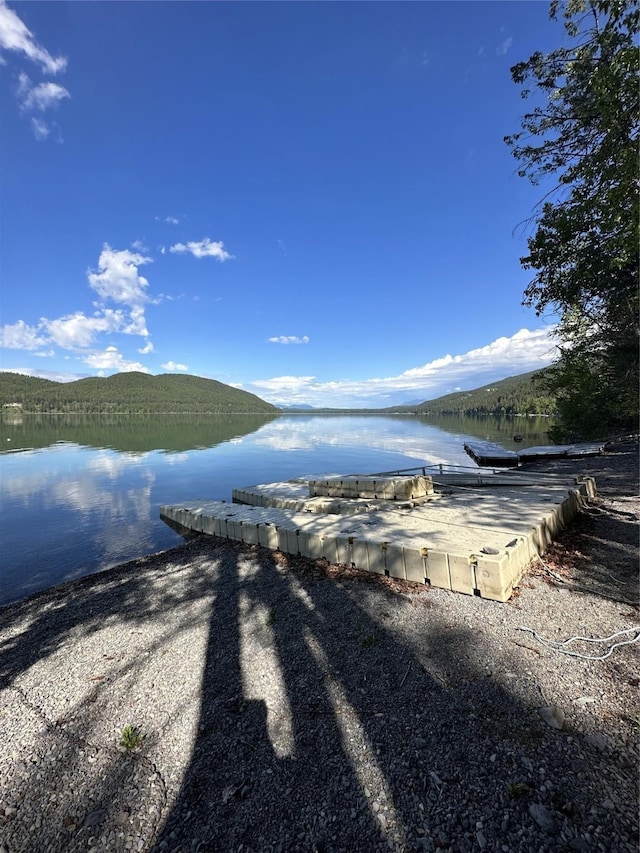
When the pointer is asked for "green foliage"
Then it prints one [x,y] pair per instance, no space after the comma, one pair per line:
[583,132]
[131,738]
[272,617]
[519,789]
[596,389]
[522,395]
[137,393]
[369,640]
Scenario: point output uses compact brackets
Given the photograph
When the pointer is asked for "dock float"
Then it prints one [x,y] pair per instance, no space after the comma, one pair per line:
[465,532]
[486,453]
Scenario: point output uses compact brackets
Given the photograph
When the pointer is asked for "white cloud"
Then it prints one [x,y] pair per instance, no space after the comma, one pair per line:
[40,128]
[137,324]
[77,330]
[281,387]
[16,37]
[507,356]
[147,348]
[73,331]
[39,98]
[118,278]
[504,46]
[289,339]
[172,220]
[112,359]
[22,336]
[172,365]
[204,249]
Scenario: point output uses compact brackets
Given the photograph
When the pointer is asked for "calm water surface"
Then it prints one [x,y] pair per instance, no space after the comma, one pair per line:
[82,493]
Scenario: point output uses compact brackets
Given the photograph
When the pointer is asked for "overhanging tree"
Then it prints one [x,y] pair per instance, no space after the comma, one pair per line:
[583,132]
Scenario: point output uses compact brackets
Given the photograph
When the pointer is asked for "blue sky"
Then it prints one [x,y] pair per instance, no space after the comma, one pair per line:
[311,201]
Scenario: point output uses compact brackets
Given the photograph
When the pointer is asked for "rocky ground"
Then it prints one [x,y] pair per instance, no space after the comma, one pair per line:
[282,704]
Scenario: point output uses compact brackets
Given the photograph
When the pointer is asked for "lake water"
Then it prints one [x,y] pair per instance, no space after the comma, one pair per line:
[82,493]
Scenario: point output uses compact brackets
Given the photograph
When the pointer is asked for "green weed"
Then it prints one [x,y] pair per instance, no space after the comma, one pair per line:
[519,789]
[131,738]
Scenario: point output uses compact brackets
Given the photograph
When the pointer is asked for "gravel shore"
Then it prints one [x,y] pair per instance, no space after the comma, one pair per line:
[281,704]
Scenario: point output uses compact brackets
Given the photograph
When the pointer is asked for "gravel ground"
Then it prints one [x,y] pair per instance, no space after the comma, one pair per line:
[285,704]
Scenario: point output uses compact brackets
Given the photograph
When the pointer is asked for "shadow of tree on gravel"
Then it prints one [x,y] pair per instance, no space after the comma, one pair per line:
[599,552]
[335,714]
[386,750]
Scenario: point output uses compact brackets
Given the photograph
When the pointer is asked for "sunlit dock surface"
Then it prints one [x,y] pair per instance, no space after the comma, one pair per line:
[465,530]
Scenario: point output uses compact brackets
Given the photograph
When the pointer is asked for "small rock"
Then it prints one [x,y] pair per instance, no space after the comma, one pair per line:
[553,717]
[544,818]
[608,804]
[584,700]
[598,740]
[122,818]
[419,743]
[95,817]
[482,841]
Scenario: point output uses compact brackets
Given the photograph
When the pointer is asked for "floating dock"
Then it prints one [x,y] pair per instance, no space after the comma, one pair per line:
[486,453]
[467,531]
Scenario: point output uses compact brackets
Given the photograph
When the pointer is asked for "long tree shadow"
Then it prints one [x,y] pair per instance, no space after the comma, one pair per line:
[299,712]
[74,669]
[357,739]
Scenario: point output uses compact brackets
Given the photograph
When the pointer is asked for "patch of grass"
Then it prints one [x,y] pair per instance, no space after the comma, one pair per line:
[519,789]
[131,738]
[272,617]
[369,640]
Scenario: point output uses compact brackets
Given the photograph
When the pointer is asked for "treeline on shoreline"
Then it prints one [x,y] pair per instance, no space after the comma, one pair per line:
[128,393]
[516,395]
[139,393]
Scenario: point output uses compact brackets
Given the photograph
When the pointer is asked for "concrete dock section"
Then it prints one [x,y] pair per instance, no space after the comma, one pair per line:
[464,531]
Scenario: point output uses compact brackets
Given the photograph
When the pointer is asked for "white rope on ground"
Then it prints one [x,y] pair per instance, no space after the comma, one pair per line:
[559,646]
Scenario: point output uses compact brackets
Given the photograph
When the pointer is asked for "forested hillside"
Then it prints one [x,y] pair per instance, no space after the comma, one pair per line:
[128,393]
[516,395]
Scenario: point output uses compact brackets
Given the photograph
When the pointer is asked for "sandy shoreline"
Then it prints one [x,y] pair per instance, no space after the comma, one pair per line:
[287,705]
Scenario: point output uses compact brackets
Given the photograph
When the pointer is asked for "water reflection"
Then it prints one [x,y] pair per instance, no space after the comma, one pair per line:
[71,507]
[419,442]
[127,434]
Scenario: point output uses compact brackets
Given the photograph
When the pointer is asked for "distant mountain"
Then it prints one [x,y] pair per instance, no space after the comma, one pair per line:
[412,402]
[515,395]
[128,392]
[299,407]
